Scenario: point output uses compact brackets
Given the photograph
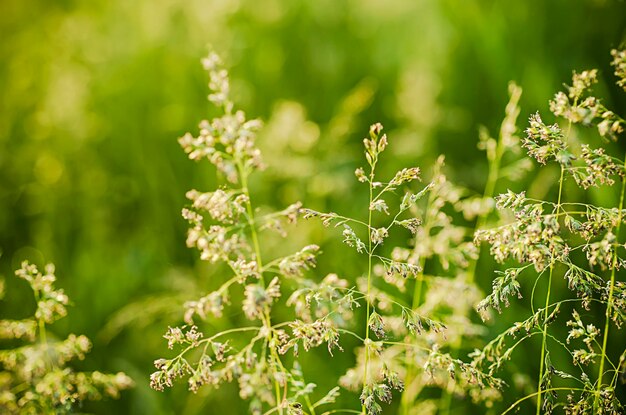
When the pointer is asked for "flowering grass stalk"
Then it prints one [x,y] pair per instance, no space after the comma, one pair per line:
[225,227]
[35,377]
[552,238]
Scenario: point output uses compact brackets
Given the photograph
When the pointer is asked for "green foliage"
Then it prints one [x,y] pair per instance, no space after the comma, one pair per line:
[91,179]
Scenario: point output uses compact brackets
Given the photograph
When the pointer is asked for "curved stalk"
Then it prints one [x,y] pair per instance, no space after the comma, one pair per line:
[609,303]
[510,408]
[546,314]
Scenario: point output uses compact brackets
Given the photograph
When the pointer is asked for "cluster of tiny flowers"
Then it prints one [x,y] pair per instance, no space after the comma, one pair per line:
[296,264]
[312,335]
[258,298]
[599,168]
[586,110]
[18,329]
[544,141]
[588,333]
[222,206]
[35,378]
[619,62]
[330,299]
[229,141]
[534,237]
[50,301]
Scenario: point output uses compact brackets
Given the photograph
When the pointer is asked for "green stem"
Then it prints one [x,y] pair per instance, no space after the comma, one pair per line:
[546,313]
[369,285]
[609,303]
[41,323]
[43,339]
[251,221]
[257,251]
[309,405]
[544,337]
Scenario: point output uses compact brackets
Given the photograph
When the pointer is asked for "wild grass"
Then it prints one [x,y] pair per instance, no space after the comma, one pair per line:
[412,307]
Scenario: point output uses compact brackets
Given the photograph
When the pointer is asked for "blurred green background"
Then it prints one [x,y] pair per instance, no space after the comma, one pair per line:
[95,93]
